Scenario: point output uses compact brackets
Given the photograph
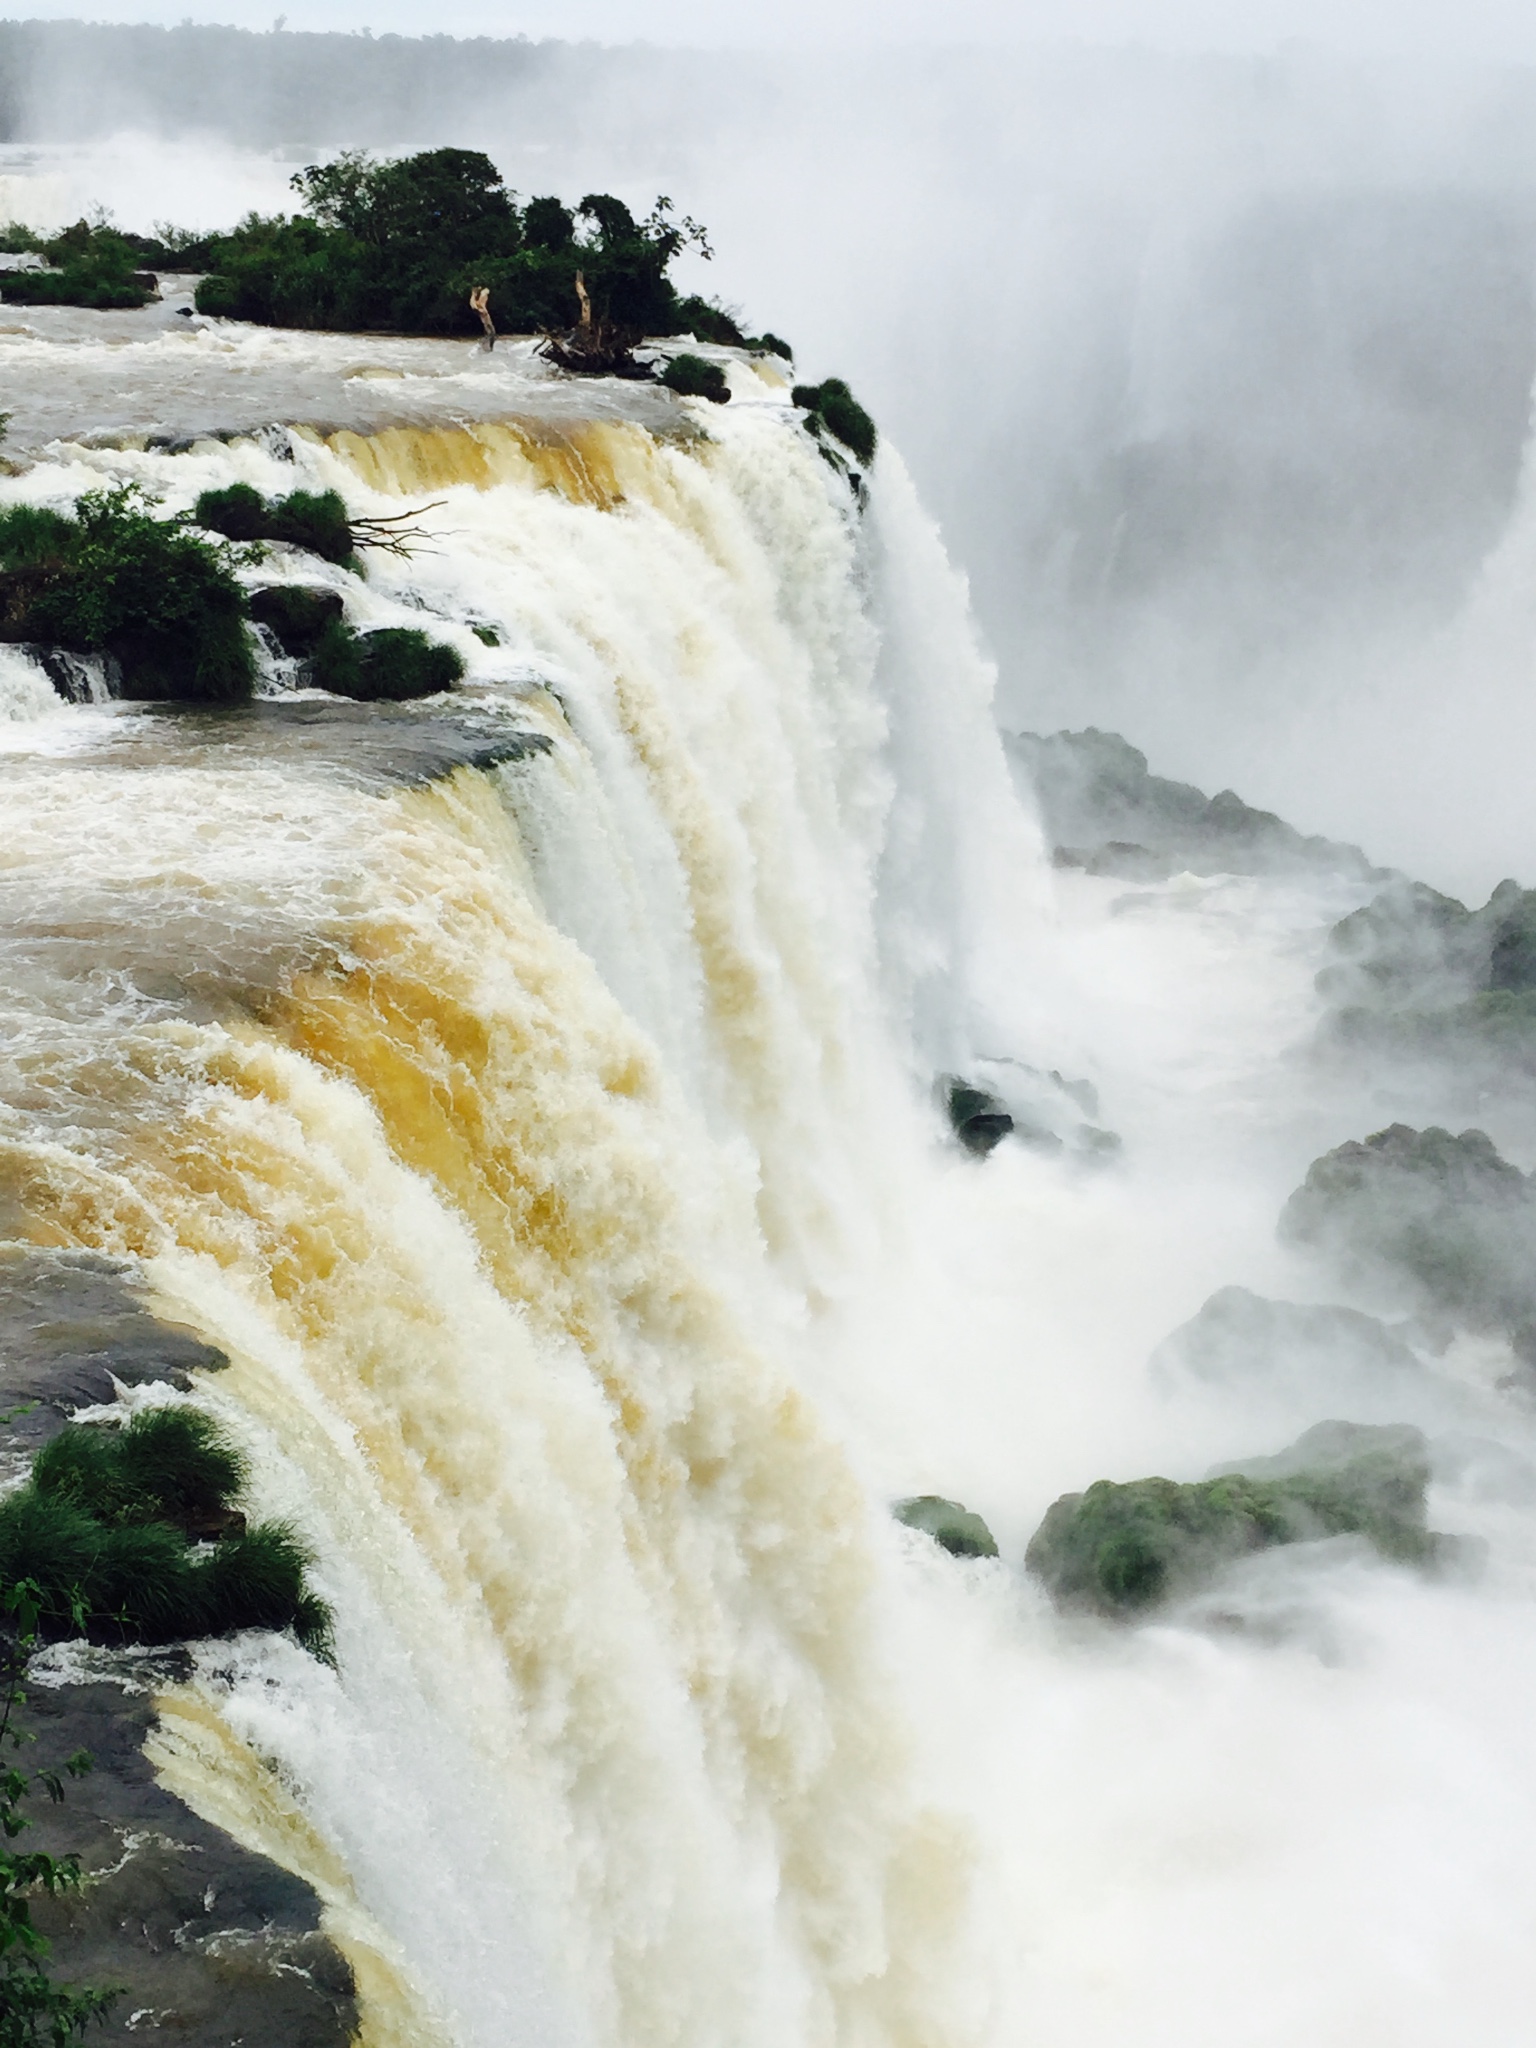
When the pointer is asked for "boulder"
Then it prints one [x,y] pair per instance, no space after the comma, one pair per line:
[296,614]
[1241,1339]
[1120,1550]
[953,1527]
[1443,1219]
[980,1119]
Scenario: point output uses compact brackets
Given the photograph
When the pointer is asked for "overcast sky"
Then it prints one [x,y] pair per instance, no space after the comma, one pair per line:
[1465,28]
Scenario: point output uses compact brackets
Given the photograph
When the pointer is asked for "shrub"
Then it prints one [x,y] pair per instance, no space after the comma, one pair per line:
[831,408]
[113,579]
[706,321]
[387,666]
[693,377]
[95,267]
[316,520]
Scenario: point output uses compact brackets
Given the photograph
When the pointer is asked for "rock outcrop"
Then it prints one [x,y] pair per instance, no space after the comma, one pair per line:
[953,1527]
[1105,812]
[1120,1550]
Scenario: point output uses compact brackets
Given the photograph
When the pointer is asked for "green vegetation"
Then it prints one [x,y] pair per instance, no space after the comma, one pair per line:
[398,247]
[316,520]
[110,1532]
[953,1527]
[1119,1550]
[113,579]
[387,666]
[296,614]
[34,2010]
[693,377]
[93,266]
[831,409]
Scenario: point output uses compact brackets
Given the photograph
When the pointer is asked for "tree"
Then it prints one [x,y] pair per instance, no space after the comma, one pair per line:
[34,2009]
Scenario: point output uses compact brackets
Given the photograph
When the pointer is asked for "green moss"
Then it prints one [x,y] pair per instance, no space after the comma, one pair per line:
[114,579]
[693,377]
[486,635]
[1120,1549]
[953,1527]
[296,614]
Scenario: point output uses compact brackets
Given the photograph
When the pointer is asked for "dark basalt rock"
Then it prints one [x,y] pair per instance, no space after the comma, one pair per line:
[72,1323]
[296,614]
[953,1527]
[213,1946]
[980,1119]
[1120,1550]
[1105,812]
[1445,1219]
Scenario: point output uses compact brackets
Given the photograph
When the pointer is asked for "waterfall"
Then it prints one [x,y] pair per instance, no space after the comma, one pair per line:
[521,1134]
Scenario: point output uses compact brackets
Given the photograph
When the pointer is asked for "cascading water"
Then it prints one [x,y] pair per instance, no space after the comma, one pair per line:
[518,1134]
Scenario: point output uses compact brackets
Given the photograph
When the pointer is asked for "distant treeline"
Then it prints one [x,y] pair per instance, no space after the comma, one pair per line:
[65,80]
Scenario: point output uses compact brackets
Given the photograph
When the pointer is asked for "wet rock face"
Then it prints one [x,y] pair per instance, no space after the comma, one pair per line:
[953,1527]
[1107,813]
[72,1323]
[980,1119]
[1445,1219]
[214,1947]
[1417,974]
[1240,1339]
[1120,1550]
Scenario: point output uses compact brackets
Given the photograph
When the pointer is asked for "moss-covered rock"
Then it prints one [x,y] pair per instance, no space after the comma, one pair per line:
[953,1527]
[831,410]
[1445,1219]
[388,666]
[1123,1549]
[296,615]
[693,377]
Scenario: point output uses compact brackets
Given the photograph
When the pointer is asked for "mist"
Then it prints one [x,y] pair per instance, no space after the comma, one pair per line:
[1216,369]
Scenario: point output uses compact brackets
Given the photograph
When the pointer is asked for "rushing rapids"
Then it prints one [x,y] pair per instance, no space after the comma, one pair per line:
[517,1126]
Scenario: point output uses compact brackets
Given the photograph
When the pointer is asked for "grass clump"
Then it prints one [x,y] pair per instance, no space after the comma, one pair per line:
[132,1536]
[112,579]
[316,520]
[692,377]
[388,666]
[830,408]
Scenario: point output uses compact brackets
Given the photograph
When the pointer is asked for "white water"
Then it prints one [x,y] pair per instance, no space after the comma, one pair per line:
[551,1150]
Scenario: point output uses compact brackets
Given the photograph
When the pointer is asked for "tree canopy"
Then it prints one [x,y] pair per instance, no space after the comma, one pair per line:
[398,246]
